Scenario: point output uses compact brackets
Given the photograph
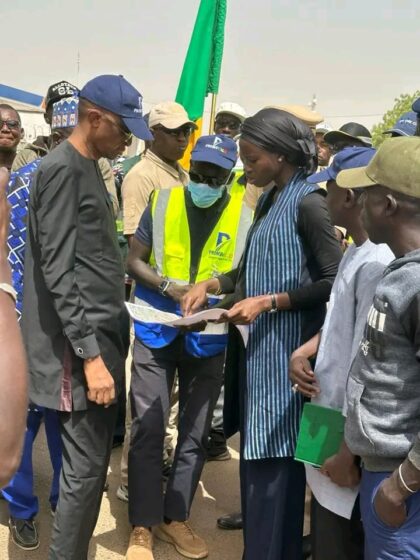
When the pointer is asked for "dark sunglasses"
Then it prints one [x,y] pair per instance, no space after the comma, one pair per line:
[127,135]
[176,132]
[210,181]
[10,124]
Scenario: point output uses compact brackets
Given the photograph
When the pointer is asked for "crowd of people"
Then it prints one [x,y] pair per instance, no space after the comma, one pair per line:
[306,235]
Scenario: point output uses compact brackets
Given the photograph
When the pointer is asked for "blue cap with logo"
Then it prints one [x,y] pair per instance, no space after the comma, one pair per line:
[118,96]
[348,158]
[405,126]
[218,149]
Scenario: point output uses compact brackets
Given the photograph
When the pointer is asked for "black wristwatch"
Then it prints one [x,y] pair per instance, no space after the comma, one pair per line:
[163,286]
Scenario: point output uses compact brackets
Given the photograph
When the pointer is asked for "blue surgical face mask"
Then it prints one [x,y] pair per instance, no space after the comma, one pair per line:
[204,196]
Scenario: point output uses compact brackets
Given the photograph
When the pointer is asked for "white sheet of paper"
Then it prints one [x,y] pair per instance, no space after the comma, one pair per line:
[151,315]
[338,500]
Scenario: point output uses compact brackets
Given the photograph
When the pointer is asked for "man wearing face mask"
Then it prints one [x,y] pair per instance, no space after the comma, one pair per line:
[185,235]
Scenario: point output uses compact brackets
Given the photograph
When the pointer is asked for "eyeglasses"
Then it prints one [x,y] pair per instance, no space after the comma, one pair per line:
[176,132]
[232,124]
[213,182]
[11,124]
[128,136]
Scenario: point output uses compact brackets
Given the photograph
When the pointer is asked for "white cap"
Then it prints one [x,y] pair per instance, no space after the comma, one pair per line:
[323,128]
[232,109]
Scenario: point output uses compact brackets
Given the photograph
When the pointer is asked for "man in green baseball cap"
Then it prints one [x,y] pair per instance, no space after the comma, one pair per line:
[383,391]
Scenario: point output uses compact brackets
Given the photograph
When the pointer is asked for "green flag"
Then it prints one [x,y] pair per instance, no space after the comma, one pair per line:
[201,72]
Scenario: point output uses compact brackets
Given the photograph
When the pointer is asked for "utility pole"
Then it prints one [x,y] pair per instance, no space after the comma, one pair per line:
[312,104]
[78,68]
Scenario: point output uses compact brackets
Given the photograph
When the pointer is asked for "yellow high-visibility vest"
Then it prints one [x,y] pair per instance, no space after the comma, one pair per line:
[171,253]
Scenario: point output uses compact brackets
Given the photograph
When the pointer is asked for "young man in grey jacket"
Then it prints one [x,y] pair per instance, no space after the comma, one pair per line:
[383,392]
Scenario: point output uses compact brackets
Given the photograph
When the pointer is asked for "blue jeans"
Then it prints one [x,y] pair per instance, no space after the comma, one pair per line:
[381,541]
[19,494]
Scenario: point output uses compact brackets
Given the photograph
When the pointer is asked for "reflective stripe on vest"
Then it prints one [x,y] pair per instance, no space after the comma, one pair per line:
[171,258]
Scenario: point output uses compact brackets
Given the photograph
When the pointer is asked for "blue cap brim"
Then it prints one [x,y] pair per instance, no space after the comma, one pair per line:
[216,158]
[138,127]
[321,177]
[397,131]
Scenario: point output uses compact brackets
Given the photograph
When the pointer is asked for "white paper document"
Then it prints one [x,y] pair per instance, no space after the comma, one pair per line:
[332,497]
[151,315]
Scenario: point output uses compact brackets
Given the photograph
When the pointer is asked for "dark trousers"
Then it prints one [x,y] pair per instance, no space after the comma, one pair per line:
[273,501]
[23,504]
[151,385]
[333,537]
[87,440]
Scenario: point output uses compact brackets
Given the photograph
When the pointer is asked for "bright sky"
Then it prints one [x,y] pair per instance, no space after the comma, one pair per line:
[355,55]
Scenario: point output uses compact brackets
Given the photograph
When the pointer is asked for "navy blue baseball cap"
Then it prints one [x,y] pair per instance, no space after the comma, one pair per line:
[348,158]
[405,126]
[118,96]
[218,149]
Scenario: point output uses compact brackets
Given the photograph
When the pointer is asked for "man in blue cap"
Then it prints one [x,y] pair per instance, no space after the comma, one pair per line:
[186,234]
[73,303]
[333,535]
[405,126]
[23,503]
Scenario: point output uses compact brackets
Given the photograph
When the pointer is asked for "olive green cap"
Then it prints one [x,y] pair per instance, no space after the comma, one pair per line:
[396,165]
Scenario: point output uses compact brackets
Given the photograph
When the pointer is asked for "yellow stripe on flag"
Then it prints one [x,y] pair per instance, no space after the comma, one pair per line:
[185,161]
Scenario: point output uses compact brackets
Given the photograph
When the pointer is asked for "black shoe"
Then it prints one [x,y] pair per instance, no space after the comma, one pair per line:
[218,454]
[230,522]
[306,547]
[24,533]
[117,441]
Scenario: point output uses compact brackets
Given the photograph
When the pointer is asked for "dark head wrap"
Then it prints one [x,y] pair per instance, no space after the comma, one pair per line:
[281,133]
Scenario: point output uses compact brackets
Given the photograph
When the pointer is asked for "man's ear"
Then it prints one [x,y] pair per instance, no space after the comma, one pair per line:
[94,118]
[351,199]
[391,205]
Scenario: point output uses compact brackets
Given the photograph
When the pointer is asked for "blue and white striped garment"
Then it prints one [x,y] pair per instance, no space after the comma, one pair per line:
[274,264]
[18,197]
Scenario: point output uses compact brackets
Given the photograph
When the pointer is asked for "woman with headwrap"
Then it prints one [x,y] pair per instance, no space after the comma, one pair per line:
[280,290]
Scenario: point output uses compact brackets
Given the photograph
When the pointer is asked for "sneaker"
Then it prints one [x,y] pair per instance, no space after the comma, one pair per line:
[186,542]
[122,493]
[24,533]
[140,545]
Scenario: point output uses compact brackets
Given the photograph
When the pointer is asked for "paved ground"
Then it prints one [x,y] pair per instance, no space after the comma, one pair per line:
[218,494]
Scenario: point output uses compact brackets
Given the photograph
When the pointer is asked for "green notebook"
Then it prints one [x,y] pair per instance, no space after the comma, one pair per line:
[320,435]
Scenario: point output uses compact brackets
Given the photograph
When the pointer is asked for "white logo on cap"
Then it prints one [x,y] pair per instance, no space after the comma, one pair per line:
[139,110]
[217,141]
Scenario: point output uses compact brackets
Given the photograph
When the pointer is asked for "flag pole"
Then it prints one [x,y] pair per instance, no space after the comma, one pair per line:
[212,112]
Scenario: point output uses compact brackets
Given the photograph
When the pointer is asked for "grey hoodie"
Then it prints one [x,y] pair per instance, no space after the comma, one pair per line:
[383,391]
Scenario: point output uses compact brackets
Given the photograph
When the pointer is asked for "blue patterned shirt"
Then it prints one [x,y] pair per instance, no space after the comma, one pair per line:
[18,197]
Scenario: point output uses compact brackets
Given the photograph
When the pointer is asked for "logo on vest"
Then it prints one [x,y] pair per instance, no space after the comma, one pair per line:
[222,239]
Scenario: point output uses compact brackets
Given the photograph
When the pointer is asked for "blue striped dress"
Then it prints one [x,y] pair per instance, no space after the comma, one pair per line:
[274,264]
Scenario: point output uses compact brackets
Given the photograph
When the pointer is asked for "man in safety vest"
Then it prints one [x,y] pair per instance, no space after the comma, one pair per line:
[186,235]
